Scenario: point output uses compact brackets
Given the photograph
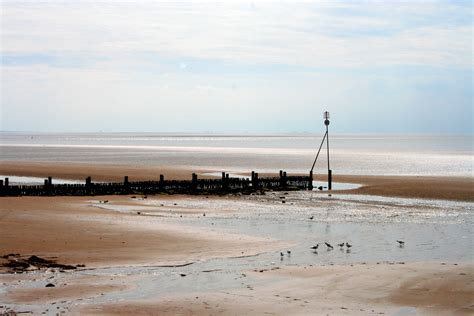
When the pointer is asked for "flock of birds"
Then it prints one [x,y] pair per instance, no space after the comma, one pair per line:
[330,247]
[348,246]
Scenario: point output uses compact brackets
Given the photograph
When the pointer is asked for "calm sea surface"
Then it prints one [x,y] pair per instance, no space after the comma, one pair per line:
[350,154]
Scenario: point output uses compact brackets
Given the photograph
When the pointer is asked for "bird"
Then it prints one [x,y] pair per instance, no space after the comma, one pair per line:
[341,245]
[315,247]
[401,243]
[311,218]
[348,245]
[328,245]
[281,254]
[288,252]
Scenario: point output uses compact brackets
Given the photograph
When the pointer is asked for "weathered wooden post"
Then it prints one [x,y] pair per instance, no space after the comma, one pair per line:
[227,181]
[126,184]
[194,182]
[88,185]
[285,182]
[6,182]
[162,182]
[254,180]
[224,182]
[310,179]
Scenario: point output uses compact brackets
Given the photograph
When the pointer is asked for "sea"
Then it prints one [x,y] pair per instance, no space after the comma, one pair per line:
[354,154]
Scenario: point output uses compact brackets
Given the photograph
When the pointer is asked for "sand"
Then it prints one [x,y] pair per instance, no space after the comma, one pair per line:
[447,188]
[427,288]
[443,188]
[78,231]
[82,230]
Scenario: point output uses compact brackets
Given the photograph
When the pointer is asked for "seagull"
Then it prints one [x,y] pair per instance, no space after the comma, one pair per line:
[328,245]
[401,243]
[348,245]
[315,247]
[312,216]
[341,245]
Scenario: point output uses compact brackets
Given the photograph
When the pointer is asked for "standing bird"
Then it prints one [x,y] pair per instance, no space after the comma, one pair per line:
[341,245]
[315,247]
[311,218]
[288,252]
[348,245]
[401,243]
[281,254]
[328,245]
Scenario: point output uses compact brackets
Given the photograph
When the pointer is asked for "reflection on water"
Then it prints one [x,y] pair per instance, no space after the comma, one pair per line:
[351,154]
[19,180]
[432,231]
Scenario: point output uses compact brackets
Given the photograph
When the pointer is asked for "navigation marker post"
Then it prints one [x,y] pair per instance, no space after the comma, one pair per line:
[326,137]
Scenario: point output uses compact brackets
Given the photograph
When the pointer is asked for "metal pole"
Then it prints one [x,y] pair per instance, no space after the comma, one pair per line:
[320,146]
[327,142]
[329,168]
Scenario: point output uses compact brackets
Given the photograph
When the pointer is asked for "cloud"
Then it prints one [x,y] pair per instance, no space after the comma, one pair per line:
[234,65]
[305,34]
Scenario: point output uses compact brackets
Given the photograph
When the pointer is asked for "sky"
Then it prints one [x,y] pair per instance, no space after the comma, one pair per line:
[236,66]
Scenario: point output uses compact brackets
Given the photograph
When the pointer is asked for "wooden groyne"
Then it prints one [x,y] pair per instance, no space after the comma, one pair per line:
[223,185]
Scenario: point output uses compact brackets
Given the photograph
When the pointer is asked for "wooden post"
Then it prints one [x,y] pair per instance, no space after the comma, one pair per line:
[310,184]
[194,182]
[6,182]
[224,181]
[162,182]
[50,181]
[255,180]
[329,179]
[1,183]
[126,184]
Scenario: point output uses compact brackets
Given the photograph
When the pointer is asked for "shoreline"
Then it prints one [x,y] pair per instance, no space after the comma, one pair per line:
[423,187]
[124,241]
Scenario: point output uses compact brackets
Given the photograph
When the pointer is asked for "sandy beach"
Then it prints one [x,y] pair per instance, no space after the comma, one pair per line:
[120,246]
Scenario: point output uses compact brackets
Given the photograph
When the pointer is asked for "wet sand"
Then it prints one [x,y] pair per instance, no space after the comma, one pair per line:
[442,188]
[124,242]
[445,188]
[77,230]
[421,288]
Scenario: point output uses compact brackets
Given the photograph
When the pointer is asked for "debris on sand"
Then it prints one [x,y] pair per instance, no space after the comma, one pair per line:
[18,264]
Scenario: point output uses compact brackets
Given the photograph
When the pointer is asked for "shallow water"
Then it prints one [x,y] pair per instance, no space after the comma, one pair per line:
[20,180]
[433,231]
